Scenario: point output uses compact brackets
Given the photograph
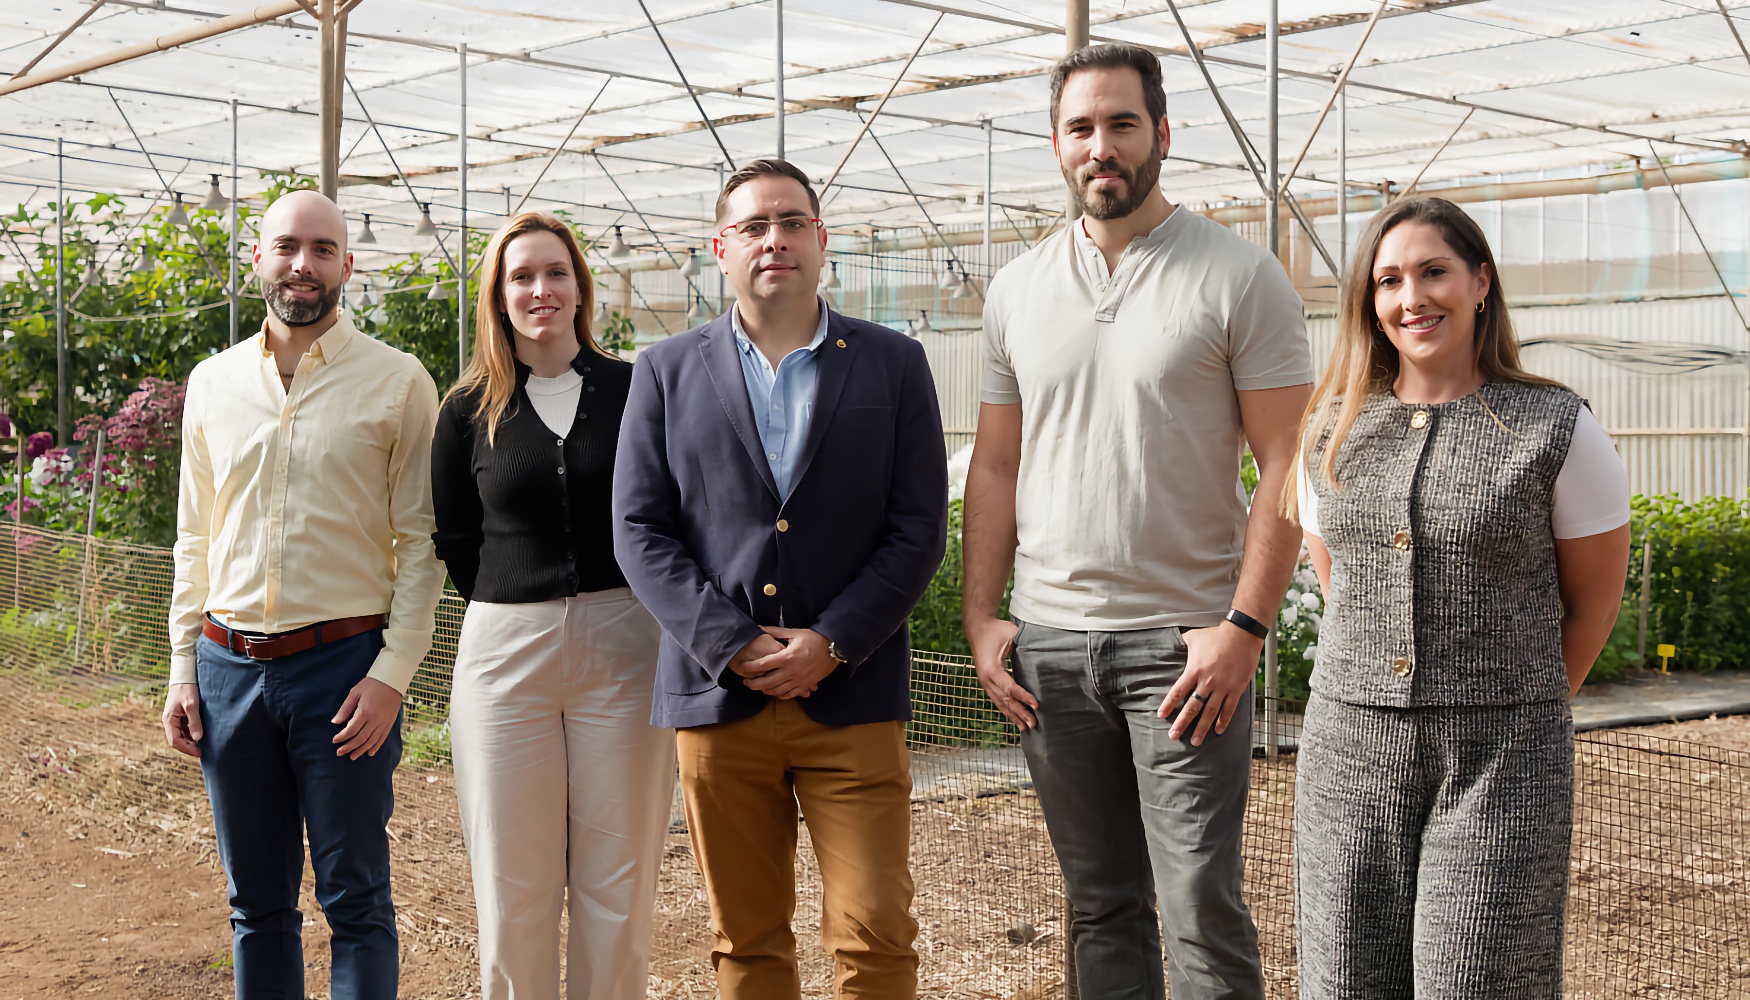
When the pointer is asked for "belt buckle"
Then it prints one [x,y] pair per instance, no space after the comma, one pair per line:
[249,648]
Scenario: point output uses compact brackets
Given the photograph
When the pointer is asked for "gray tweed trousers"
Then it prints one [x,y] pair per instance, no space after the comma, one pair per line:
[1431,851]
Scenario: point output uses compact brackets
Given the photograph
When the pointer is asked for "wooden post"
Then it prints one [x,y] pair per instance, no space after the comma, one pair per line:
[332,70]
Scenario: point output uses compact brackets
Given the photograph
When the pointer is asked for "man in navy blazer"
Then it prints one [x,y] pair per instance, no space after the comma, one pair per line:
[780,505]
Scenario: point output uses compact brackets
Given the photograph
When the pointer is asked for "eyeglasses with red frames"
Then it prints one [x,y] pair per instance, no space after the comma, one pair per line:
[791,227]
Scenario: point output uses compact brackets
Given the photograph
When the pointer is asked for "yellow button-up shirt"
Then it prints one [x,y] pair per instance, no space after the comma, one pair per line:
[308,504]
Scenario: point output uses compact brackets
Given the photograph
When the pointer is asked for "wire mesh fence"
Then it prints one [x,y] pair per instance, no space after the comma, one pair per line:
[1660,902]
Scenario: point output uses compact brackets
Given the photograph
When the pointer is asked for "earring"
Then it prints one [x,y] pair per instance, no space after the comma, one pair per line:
[1479,307]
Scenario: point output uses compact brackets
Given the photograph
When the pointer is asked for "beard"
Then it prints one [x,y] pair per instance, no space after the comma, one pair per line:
[1108,204]
[299,312]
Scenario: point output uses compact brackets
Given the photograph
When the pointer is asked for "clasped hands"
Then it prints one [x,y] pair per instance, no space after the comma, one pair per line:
[784,662]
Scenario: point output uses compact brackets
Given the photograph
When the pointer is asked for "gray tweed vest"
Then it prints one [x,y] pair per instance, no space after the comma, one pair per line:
[1443,562]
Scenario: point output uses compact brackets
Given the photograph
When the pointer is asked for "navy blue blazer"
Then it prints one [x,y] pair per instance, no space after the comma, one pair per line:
[714,553]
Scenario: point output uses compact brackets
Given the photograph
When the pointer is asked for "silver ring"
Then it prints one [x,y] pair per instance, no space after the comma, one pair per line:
[1200,696]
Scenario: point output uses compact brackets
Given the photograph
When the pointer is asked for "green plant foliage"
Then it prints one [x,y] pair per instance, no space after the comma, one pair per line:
[177,309]
[1699,589]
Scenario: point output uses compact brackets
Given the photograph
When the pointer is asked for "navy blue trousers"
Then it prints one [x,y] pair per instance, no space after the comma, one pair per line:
[272,774]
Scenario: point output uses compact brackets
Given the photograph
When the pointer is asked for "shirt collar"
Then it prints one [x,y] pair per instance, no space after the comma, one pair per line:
[1155,237]
[746,345]
[327,347]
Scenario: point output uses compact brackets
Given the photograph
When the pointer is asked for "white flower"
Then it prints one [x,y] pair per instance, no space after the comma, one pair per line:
[1309,601]
[45,470]
[1312,652]
[1290,613]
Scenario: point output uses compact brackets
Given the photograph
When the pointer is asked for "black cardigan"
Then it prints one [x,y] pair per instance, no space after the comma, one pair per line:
[528,518]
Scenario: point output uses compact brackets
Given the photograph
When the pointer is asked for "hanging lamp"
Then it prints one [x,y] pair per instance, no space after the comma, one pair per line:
[426,227]
[690,267]
[215,199]
[618,250]
[178,217]
[831,281]
[966,289]
[365,237]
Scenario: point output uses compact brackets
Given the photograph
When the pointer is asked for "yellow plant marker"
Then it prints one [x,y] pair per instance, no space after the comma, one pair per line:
[1666,651]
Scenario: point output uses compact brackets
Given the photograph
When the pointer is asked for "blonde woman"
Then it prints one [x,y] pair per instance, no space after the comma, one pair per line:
[1469,525]
[564,786]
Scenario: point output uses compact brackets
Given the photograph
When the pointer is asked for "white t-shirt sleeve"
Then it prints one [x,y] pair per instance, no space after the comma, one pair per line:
[998,384]
[1591,494]
[1309,502]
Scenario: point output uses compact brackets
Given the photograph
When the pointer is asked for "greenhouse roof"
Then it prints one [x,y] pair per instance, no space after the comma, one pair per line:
[1444,90]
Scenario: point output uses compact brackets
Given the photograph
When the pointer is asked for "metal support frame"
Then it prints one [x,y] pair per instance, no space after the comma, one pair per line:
[1075,36]
[1272,117]
[63,408]
[1336,88]
[411,194]
[870,121]
[236,225]
[1725,287]
[694,94]
[44,54]
[777,75]
[1732,24]
[1254,160]
[1406,192]
[211,267]
[989,184]
[1342,191]
[462,192]
[673,258]
[510,212]
[926,212]
[206,29]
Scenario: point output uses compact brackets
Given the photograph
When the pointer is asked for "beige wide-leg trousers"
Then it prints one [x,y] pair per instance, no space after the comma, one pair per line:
[564,787]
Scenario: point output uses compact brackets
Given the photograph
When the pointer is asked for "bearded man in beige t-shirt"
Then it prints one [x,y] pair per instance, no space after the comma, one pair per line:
[1128,359]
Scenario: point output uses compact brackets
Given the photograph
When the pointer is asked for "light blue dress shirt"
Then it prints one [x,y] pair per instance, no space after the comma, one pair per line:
[782,397]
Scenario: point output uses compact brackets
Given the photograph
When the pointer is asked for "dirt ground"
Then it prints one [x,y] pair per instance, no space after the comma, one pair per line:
[108,884]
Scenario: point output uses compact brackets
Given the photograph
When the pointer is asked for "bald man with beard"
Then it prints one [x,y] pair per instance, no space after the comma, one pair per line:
[305,590]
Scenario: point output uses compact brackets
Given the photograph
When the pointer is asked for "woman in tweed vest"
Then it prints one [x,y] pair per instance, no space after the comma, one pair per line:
[1469,525]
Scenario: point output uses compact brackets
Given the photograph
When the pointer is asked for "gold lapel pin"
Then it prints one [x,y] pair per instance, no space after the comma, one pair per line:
[841,343]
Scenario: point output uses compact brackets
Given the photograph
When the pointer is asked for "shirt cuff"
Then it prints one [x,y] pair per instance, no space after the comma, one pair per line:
[182,669]
[393,671]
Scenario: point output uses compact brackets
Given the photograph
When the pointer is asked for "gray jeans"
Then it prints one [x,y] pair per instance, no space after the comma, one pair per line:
[1123,801]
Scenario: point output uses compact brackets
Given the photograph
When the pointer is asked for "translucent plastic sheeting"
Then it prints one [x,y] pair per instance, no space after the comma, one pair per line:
[1552,87]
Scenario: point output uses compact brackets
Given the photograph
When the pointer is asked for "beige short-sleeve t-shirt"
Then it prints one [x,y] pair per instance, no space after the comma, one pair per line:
[1129,506]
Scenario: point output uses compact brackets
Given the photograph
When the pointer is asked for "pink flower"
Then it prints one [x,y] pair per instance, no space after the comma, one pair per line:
[38,443]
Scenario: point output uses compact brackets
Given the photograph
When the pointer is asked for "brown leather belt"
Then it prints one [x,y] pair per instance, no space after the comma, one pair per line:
[272,647]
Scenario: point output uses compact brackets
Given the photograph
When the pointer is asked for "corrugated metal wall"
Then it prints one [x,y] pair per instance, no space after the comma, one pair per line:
[1682,434]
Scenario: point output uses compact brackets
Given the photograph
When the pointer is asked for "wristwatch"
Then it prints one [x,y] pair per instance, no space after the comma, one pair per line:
[1247,622]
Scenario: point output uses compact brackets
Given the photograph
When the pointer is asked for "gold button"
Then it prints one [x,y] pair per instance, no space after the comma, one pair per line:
[771,590]
[1401,666]
[1420,420]
[841,343]
[783,525]
[1401,541]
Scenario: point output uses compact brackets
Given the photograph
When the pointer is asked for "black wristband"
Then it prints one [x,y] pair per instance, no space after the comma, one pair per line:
[1247,622]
